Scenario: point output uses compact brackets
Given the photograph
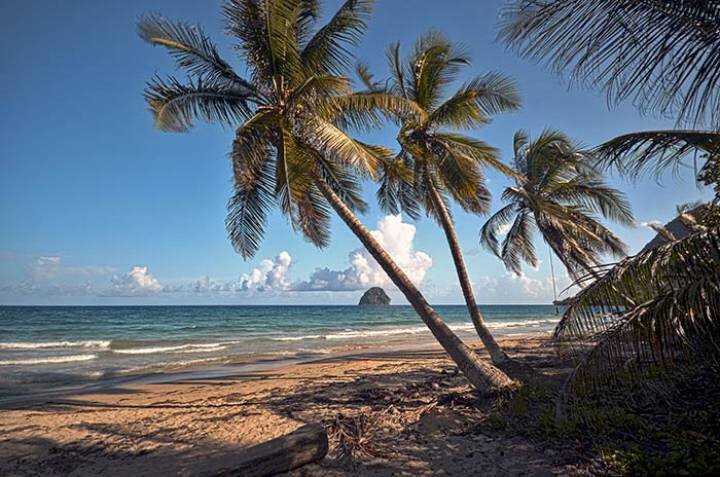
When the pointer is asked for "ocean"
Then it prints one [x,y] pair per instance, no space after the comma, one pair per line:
[42,348]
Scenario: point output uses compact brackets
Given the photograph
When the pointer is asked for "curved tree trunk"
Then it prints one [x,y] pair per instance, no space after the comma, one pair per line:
[496,353]
[480,374]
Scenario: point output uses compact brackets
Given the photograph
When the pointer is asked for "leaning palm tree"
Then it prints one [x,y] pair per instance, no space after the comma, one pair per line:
[558,194]
[290,117]
[435,163]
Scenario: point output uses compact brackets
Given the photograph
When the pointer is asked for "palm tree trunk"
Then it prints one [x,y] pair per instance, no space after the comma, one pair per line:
[496,353]
[480,374]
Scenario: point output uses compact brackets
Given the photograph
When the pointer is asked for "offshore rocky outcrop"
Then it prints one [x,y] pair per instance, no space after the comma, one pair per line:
[374,296]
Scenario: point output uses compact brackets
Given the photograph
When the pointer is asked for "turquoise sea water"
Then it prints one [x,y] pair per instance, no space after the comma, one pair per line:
[46,346]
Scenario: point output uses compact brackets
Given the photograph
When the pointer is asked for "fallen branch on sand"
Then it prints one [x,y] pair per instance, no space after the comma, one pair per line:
[305,445]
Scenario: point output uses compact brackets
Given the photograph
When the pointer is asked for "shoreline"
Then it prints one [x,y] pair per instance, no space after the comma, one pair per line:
[174,427]
[187,341]
[228,370]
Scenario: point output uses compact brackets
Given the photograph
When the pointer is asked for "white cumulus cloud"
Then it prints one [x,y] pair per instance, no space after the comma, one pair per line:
[138,281]
[270,275]
[397,238]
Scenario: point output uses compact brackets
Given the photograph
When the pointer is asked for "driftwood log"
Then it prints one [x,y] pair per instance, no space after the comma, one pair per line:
[307,444]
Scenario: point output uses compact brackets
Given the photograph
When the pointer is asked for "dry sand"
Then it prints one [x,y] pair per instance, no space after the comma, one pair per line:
[417,416]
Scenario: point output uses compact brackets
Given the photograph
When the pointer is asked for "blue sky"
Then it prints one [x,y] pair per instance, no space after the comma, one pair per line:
[97,206]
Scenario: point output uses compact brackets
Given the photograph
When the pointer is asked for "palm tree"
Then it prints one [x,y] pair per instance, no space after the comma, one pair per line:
[558,194]
[435,163]
[657,310]
[290,116]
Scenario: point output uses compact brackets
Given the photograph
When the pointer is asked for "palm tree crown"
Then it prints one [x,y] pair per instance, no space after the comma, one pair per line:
[557,193]
[290,114]
[432,154]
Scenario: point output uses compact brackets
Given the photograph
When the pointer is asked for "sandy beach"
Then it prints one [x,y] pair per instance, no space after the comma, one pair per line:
[417,415]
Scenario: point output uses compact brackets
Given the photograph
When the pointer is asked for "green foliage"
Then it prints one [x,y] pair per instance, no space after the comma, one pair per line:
[558,193]
[434,160]
[710,176]
[290,116]
[626,430]
[654,152]
[662,55]
[652,314]
[658,310]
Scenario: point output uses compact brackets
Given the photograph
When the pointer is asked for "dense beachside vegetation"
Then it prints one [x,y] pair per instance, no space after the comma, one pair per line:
[641,333]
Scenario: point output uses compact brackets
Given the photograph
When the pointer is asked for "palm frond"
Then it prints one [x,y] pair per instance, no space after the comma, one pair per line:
[461,177]
[367,78]
[552,156]
[662,230]
[365,110]
[308,15]
[342,182]
[654,152]
[663,55]
[320,86]
[254,174]
[435,63]
[494,226]
[268,34]
[398,75]
[477,100]
[175,105]
[314,217]
[576,237]
[521,139]
[658,310]
[479,151]
[338,145]
[595,195]
[396,192]
[478,202]
[427,187]
[458,175]
[293,178]
[560,193]
[191,48]
[518,243]
[327,51]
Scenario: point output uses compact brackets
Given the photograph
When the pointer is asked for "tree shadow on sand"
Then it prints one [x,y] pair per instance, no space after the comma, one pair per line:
[422,421]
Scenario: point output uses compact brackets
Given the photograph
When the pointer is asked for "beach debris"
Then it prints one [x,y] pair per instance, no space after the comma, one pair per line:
[355,436]
[303,446]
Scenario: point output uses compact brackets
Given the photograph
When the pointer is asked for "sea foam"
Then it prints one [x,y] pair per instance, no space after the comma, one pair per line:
[49,360]
[349,333]
[56,344]
[189,348]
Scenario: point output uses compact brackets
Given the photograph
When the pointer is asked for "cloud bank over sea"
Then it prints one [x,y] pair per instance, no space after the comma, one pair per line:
[50,277]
